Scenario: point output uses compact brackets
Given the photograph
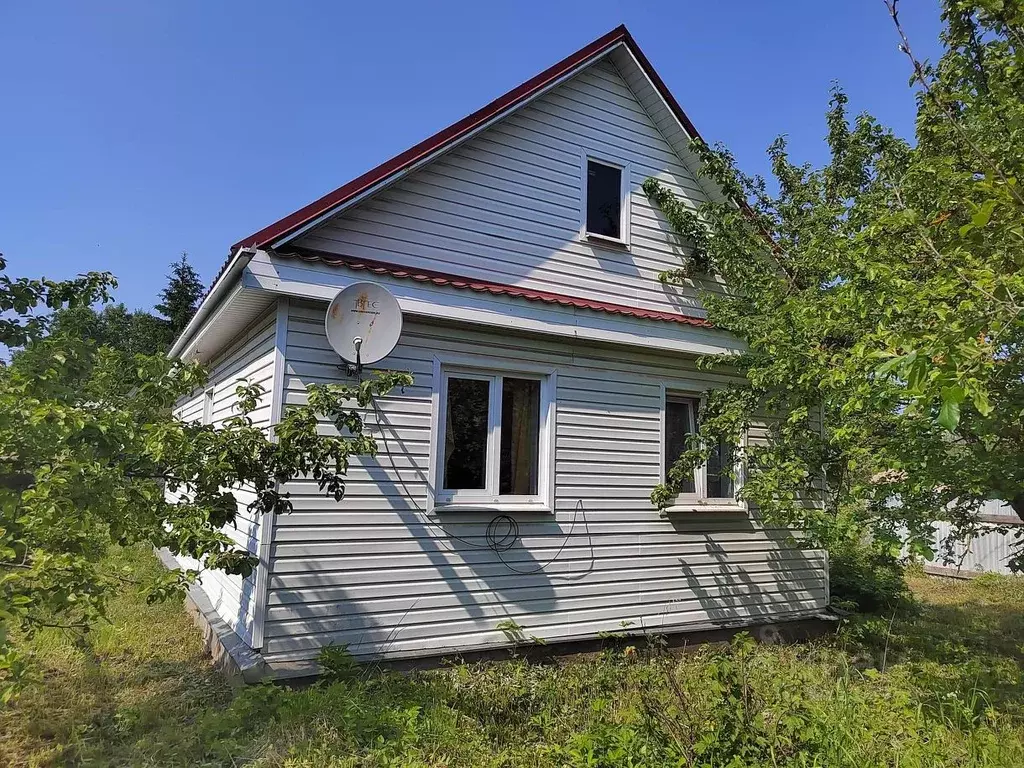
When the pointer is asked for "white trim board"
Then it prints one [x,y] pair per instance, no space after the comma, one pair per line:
[500,311]
[265,534]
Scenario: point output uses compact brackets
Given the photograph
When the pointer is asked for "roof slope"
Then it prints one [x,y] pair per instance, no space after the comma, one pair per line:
[449,136]
[484,286]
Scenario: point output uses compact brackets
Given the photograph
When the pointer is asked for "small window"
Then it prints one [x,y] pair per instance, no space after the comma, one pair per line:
[604,200]
[711,481]
[208,406]
[492,437]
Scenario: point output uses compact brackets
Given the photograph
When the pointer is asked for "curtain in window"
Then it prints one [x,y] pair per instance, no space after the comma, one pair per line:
[520,437]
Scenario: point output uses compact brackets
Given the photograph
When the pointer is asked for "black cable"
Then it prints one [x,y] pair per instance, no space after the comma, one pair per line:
[542,566]
[498,539]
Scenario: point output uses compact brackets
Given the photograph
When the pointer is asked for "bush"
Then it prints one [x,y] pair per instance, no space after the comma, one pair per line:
[867,578]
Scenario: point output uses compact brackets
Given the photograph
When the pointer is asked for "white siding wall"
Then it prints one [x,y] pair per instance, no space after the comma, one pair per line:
[375,572]
[250,357]
[506,204]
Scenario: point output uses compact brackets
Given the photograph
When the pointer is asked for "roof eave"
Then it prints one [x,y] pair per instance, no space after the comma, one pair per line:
[221,286]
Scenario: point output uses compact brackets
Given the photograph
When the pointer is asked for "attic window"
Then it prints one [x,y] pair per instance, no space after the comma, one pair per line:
[604,195]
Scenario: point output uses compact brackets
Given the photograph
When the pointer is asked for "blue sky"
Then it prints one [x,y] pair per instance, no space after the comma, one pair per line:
[134,130]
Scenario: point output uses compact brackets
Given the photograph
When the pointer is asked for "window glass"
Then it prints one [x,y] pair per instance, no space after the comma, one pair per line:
[604,199]
[465,445]
[520,437]
[679,423]
[720,485]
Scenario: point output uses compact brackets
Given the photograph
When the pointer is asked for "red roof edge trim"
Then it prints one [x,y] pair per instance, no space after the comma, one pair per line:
[659,84]
[487,286]
[428,146]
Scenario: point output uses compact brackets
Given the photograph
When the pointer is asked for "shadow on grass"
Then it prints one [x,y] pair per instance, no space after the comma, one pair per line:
[127,693]
[966,636]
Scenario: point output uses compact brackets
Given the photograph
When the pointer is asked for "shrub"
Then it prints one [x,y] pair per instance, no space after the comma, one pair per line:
[866,578]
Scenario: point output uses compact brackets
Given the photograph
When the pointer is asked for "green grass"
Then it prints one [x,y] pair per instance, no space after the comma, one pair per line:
[139,691]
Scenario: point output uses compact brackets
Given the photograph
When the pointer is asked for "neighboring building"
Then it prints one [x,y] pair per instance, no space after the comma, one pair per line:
[555,377]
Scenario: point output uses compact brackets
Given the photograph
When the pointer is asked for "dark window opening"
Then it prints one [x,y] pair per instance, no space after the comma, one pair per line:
[604,200]
[465,445]
[520,437]
[679,422]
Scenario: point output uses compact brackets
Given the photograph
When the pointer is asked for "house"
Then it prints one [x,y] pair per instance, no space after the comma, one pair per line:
[525,258]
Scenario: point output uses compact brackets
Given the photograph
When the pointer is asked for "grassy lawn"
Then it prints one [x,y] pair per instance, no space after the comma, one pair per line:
[941,686]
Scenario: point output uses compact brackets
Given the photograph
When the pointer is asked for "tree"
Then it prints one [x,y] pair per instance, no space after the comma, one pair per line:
[180,299]
[881,298]
[91,456]
[114,326]
[138,331]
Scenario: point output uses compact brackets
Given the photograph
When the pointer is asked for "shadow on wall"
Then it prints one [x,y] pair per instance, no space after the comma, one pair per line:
[465,577]
[771,582]
[682,298]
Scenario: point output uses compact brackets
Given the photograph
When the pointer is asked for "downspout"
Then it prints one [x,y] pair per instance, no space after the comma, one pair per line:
[239,261]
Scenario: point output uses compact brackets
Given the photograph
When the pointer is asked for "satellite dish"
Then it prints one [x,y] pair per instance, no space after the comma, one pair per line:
[363,324]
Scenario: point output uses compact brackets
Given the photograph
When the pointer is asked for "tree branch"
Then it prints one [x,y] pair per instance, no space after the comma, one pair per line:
[921,77]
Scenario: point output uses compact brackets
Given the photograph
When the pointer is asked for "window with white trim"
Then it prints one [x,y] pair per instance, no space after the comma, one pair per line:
[711,481]
[492,437]
[605,210]
[208,406]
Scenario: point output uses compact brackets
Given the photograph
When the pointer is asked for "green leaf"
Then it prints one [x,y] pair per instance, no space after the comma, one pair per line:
[983,214]
[981,403]
[954,394]
[949,415]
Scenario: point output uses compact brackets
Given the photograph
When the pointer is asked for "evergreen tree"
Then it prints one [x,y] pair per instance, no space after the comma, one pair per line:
[180,299]
[138,331]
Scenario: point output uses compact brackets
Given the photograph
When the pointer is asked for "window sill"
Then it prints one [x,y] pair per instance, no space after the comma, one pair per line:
[733,507]
[605,241]
[497,507]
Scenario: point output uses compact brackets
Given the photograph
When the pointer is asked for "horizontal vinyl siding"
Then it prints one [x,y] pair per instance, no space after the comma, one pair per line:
[505,205]
[250,358]
[375,572]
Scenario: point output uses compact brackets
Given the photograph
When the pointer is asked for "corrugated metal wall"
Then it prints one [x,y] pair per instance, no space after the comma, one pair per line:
[988,552]
[251,357]
[374,571]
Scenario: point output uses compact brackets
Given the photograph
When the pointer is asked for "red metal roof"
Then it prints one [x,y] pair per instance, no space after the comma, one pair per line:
[485,286]
[454,132]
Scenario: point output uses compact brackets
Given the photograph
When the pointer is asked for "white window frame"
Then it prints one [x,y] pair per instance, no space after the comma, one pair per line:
[587,156]
[699,499]
[440,499]
[208,403]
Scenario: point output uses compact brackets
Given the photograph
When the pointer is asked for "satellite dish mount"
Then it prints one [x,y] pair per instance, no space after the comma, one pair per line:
[357,342]
[363,324]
